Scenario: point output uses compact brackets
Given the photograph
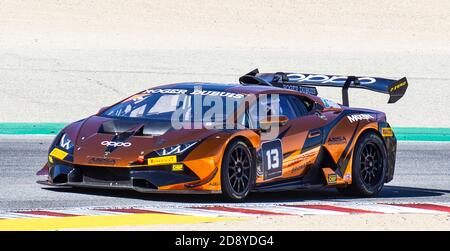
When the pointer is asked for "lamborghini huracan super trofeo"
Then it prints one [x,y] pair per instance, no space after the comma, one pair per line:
[270,132]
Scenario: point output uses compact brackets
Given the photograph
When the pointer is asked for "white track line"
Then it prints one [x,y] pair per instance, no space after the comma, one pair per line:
[18,215]
[447,204]
[303,211]
[267,209]
[393,209]
[418,210]
[88,212]
[206,211]
[183,211]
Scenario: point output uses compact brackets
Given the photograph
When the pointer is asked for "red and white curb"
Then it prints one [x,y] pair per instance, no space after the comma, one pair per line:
[243,210]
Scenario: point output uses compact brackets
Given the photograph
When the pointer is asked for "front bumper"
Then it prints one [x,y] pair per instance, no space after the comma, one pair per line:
[130,188]
[146,180]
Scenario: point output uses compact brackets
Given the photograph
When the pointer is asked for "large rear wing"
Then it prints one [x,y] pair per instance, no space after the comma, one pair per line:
[305,83]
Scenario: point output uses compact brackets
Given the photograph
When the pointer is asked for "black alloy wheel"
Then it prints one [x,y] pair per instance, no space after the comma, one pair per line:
[237,174]
[369,166]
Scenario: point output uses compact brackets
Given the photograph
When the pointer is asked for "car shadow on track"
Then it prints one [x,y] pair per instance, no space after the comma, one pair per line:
[388,193]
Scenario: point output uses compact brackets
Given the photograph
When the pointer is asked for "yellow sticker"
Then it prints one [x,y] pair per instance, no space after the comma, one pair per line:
[387,132]
[398,86]
[59,154]
[177,167]
[162,160]
[50,159]
[332,178]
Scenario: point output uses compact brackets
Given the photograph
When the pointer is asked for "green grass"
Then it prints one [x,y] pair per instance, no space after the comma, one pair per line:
[31,128]
[422,134]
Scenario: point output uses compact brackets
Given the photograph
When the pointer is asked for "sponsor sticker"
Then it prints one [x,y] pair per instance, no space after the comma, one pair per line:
[101,160]
[398,86]
[338,140]
[359,117]
[65,143]
[177,167]
[387,132]
[302,89]
[332,178]
[197,92]
[162,160]
[116,144]
[297,169]
[214,184]
[167,91]
[217,93]
[57,153]
[319,78]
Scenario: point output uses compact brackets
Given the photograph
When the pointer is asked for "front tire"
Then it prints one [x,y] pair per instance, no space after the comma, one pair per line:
[238,172]
[369,167]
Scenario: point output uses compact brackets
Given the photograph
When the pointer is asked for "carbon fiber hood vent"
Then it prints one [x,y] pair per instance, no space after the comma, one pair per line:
[141,128]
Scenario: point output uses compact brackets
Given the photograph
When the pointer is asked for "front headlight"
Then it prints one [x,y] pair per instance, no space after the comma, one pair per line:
[65,142]
[177,149]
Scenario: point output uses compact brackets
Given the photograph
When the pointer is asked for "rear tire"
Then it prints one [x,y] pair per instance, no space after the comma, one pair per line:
[238,172]
[369,167]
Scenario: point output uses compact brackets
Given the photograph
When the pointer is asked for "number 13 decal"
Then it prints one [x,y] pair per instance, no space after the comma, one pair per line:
[272,161]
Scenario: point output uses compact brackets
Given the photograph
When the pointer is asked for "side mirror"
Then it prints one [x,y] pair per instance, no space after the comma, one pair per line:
[317,108]
[270,121]
[103,109]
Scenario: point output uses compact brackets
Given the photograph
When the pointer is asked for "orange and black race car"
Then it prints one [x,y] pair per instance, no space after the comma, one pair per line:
[270,132]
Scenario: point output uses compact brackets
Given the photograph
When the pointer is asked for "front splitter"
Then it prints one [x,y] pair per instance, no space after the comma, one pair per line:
[129,188]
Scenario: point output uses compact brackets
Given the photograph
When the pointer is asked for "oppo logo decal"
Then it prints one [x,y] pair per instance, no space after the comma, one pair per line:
[116,144]
[317,78]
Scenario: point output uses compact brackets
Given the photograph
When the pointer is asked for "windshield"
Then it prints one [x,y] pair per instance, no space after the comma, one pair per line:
[178,104]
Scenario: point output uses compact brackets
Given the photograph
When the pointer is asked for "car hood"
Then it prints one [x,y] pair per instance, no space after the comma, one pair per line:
[120,142]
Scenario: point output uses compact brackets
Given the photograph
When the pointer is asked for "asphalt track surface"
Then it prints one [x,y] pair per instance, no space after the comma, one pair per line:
[422,175]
